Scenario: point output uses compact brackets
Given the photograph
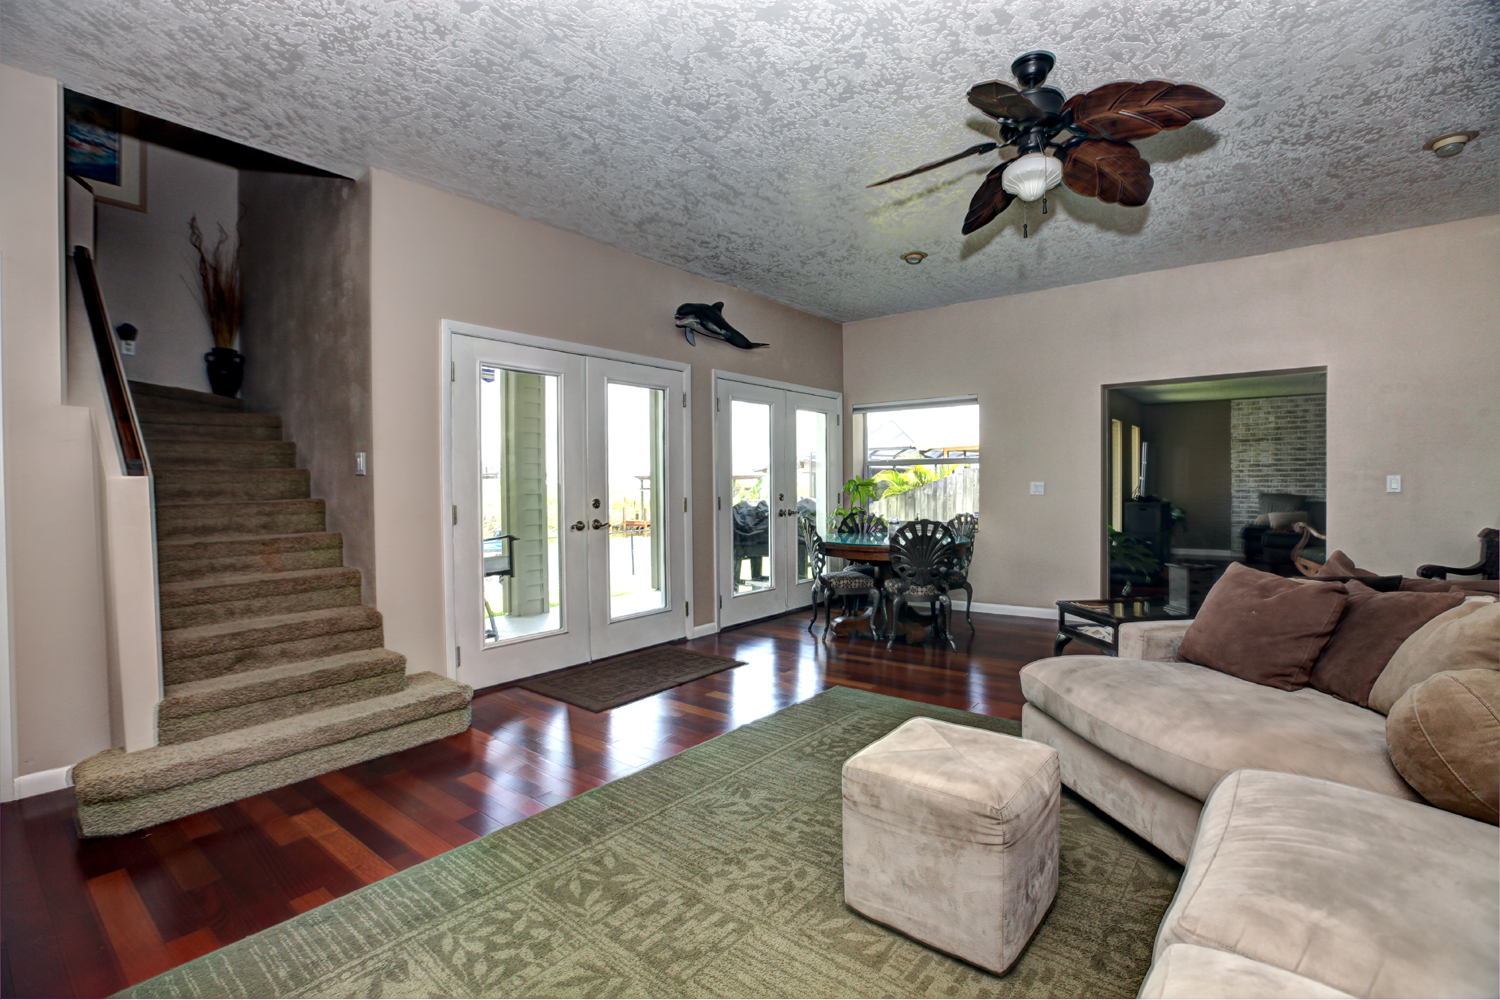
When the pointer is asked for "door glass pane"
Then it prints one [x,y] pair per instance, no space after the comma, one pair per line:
[750,483]
[637,539]
[518,502]
[812,480]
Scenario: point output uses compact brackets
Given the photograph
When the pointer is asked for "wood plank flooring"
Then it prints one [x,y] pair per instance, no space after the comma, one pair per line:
[87,918]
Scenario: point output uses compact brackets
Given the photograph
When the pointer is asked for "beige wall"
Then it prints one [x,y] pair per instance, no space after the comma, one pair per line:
[436,256]
[1407,323]
[53,530]
[305,255]
[148,271]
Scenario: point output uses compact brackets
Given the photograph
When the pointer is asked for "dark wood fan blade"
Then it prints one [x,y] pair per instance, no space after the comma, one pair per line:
[1129,111]
[1001,100]
[1110,171]
[989,201]
[983,147]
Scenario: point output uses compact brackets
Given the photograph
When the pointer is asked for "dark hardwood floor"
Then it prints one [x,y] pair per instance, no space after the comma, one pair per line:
[87,918]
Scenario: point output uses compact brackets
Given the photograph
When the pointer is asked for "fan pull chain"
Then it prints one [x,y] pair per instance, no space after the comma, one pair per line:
[1044,206]
[1025,220]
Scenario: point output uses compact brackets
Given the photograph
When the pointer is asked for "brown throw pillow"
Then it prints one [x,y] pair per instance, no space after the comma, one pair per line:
[1339,564]
[1466,638]
[1384,584]
[1444,738]
[1263,628]
[1373,627]
[1419,586]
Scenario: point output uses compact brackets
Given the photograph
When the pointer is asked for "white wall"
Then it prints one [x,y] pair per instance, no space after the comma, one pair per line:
[149,272]
[52,516]
[1407,323]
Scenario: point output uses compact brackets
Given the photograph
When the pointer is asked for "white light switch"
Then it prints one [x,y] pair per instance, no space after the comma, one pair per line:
[1393,484]
[359,463]
[1037,489]
[127,347]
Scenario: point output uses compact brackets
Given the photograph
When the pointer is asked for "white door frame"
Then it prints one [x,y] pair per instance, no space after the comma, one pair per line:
[452,327]
[835,457]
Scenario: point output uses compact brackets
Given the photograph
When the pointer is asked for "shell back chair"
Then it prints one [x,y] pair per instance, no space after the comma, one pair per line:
[923,553]
[843,584]
[861,522]
[964,526]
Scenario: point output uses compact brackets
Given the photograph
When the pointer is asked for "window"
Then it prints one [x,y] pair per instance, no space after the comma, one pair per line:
[924,455]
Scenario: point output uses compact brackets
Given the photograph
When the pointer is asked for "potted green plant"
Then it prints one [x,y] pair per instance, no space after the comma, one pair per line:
[859,493]
[219,288]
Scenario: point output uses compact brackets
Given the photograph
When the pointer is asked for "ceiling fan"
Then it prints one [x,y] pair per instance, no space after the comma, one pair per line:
[1083,141]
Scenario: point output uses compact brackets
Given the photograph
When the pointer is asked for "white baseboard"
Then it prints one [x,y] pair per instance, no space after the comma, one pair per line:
[39,782]
[699,631]
[1020,610]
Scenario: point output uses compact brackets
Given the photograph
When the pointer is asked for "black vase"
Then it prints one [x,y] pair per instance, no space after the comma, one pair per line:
[226,370]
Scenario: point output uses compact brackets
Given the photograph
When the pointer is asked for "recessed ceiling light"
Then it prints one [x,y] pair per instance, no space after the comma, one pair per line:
[914,256]
[1451,144]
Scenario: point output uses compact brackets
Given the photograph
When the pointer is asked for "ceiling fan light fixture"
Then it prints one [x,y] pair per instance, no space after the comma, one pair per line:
[1031,176]
[914,256]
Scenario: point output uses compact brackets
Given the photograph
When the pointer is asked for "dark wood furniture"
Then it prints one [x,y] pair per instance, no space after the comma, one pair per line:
[873,550]
[1487,568]
[1106,617]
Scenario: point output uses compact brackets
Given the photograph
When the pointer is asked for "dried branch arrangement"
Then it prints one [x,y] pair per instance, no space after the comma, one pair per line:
[219,277]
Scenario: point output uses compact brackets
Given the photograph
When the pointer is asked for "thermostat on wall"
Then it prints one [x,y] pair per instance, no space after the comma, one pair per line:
[1037,489]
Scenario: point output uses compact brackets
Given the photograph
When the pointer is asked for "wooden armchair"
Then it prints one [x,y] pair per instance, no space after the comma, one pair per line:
[1306,565]
[1487,568]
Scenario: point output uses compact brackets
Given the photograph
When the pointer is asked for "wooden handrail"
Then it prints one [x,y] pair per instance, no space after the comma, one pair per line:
[116,390]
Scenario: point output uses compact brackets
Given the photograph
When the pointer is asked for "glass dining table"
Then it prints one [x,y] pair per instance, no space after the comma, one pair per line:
[874,550]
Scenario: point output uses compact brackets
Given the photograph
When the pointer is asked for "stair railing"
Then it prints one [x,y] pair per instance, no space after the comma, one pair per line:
[122,412]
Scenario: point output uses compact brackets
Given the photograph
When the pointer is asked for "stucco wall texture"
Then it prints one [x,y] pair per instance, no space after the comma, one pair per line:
[306,337]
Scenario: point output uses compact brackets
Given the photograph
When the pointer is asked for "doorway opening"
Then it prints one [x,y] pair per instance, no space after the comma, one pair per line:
[1206,471]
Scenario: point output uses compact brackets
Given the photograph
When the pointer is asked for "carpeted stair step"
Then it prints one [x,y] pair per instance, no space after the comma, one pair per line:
[204,651]
[264,517]
[195,558]
[190,455]
[119,792]
[150,396]
[231,485]
[199,709]
[223,598]
[190,425]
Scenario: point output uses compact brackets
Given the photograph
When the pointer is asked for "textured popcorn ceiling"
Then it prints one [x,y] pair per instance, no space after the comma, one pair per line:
[734,139]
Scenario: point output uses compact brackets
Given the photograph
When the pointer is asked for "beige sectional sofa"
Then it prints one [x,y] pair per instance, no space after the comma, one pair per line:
[1313,870]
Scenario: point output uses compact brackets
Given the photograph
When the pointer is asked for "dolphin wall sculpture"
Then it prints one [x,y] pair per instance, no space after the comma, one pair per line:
[697,317]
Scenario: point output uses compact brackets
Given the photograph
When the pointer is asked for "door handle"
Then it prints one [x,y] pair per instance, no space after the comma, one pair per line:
[598,524]
[577,526]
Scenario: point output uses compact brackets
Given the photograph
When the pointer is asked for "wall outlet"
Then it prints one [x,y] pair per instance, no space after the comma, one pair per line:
[1393,484]
[1037,489]
[127,347]
[359,463]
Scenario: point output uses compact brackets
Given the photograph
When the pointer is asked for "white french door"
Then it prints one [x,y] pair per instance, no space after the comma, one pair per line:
[569,486]
[778,454]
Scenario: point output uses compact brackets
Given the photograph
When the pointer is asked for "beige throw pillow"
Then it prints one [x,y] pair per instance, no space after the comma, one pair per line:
[1465,638]
[1444,738]
[1286,520]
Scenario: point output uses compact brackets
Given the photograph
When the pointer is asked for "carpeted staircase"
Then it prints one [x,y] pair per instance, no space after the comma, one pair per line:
[273,670]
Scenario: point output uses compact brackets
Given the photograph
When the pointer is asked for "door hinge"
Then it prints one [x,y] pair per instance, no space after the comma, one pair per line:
[721,602]
[687,608]
[458,656]
[455,513]
[718,503]
[716,404]
[684,505]
[838,420]
[453,371]
[684,401]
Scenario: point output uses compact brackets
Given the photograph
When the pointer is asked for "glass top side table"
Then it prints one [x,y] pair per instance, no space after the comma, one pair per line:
[1105,618]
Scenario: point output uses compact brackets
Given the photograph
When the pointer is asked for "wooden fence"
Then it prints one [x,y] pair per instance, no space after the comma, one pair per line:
[957,493]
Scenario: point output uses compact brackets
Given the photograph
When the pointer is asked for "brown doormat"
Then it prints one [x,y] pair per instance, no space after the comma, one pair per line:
[608,684]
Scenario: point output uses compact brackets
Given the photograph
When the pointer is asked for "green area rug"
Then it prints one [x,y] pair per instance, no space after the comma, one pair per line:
[715,873]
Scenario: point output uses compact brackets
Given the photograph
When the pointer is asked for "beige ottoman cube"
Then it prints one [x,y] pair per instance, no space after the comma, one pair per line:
[950,836]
